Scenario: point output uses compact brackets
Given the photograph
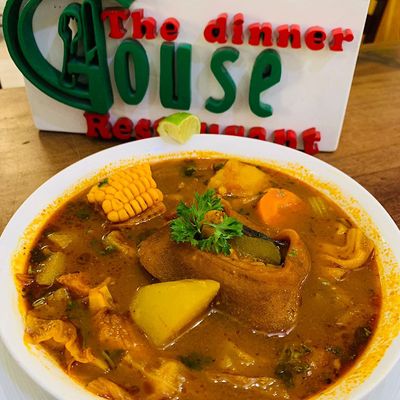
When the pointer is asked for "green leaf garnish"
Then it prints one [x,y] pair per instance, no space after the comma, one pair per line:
[103,182]
[187,228]
[196,361]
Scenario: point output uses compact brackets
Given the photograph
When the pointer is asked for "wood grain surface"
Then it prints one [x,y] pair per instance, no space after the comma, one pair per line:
[369,149]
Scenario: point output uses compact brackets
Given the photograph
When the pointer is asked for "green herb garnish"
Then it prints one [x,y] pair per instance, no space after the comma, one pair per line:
[78,313]
[103,182]
[188,227]
[83,212]
[292,361]
[218,166]
[108,250]
[38,255]
[189,171]
[196,361]
[292,253]
[113,357]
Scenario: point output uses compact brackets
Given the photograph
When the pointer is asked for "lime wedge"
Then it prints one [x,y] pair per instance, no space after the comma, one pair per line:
[180,126]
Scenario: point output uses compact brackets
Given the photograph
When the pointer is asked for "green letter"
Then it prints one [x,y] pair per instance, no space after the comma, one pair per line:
[84,81]
[224,79]
[134,50]
[175,76]
[266,73]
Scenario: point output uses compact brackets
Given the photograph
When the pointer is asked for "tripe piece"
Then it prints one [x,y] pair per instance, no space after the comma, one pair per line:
[264,297]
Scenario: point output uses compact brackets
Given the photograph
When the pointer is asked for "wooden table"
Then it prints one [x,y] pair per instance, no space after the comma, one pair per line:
[369,152]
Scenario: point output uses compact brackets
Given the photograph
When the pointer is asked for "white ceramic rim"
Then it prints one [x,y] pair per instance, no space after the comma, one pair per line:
[44,371]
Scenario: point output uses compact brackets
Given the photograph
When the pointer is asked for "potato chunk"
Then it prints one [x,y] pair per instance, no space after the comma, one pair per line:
[239,179]
[162,310]
[62,239]
[51,269]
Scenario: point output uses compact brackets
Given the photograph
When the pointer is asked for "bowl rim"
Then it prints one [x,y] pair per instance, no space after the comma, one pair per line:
[276,156]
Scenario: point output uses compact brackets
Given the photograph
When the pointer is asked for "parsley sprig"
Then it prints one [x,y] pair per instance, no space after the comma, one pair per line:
[187,228]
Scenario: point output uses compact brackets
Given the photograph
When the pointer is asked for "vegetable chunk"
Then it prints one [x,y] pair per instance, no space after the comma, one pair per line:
[239,179]
[62,239]
[277,206]
[52,268]
[162,310]
[126,193]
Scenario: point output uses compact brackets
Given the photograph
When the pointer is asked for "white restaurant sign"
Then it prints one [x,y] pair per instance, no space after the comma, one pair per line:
[278,71]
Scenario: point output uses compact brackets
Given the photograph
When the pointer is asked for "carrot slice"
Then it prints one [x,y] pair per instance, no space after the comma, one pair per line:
[277,205]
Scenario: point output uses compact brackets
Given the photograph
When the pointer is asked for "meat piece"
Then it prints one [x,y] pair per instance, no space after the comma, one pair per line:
[109,390]
[63,332]
[78,283]
[265,297]
[165,381]
[116,332]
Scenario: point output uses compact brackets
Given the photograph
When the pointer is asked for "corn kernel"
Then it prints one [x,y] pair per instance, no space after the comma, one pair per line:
[140,186]
[113,216]
[148,199]
[145,182]
[107,206]
[129,210]
[116,204]
[134,189]
[153,183]
[121,197]
[142,203]
[126,193]
[133,175]
[110,190]
[116,185]
[136,206]
[123,215]
[126,176]
[99,196]
[91,197]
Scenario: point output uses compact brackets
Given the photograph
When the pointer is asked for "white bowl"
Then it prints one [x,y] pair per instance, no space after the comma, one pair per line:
[369,370]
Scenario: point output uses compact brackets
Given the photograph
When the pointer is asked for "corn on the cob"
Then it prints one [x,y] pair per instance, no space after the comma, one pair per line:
[126,193]
[152,212]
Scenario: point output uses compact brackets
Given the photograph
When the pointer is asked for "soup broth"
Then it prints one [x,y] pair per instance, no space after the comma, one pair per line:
[80,283]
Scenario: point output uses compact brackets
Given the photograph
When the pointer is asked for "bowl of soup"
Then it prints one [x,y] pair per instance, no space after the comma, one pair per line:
[223,267]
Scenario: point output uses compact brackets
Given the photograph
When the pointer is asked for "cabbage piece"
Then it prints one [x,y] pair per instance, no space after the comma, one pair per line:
[77,283]
[115,241]
[100,298]
[52,306]
[105,388]
[263,387]
[234,358]
[166,381]
[62,332]
[354,254]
